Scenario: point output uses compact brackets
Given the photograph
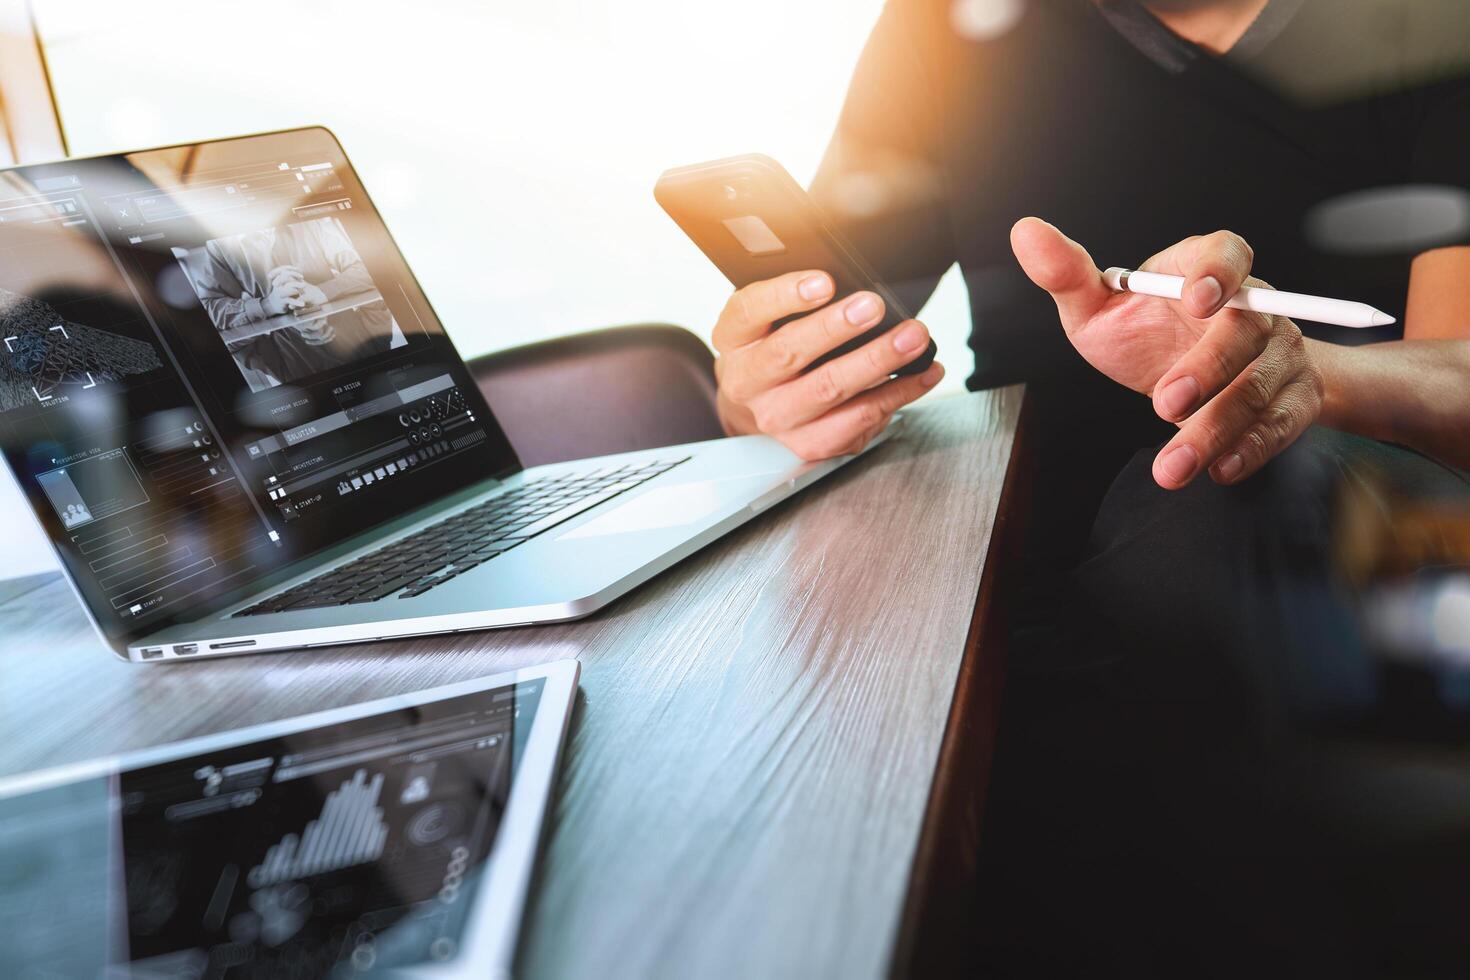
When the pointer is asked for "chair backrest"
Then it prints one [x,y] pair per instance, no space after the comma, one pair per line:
[607,391]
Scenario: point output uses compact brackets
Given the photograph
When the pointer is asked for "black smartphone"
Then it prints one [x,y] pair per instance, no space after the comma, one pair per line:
[753,221]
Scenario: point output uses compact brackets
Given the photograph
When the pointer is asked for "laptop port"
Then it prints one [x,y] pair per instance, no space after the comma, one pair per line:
[232,645]
[152,653]
[184,649]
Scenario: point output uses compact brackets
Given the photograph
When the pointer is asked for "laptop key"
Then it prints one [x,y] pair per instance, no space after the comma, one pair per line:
[566,513]
[385,589]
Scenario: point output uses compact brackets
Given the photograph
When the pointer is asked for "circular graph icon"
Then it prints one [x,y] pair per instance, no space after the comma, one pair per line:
[432,824]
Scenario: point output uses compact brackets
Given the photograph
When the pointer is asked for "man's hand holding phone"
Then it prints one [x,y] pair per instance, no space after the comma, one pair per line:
[835,409]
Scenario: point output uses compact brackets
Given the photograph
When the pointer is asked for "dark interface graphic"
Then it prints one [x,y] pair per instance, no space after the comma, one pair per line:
[334,852]
[215,362]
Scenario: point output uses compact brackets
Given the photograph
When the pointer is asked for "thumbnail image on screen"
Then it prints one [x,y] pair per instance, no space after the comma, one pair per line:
[290,301]
[46,355]
[95,487]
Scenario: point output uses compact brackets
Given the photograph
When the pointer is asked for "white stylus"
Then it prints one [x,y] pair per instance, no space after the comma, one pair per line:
[1298,306]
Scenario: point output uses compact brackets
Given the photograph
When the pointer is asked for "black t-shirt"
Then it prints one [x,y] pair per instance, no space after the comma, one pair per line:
[1335,137]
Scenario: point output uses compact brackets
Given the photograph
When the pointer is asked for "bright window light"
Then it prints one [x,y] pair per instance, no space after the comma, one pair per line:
[512,148]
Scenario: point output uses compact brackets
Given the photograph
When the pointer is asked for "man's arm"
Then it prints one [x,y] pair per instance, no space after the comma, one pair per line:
[1416,391]
[1412,392]
[880,183]
[221,293]
[881,180]
[352,275]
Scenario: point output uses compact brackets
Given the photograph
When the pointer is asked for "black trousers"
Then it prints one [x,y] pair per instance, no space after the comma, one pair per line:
[1191,777]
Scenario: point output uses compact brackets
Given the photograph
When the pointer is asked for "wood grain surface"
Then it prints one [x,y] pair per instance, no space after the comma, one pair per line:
[756,735]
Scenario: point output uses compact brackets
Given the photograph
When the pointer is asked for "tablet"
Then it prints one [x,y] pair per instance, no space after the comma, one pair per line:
[392,838]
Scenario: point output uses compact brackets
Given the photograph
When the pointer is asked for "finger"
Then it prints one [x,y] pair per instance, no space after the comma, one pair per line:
[750,311]
[755,368]
[1214,268]
[1290,414]
[1061,267]
[860,442]
[840,379]
[1223,422]
[1218,268]
[1231,342]
[852,425]
[869,434]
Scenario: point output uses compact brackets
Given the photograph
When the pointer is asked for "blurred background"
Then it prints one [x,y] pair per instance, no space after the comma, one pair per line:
[512,148]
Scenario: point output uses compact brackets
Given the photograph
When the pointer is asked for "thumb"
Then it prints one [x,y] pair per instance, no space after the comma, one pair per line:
[1061,267]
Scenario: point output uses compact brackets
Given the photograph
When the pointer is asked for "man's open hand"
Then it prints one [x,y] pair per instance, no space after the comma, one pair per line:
[1240,385]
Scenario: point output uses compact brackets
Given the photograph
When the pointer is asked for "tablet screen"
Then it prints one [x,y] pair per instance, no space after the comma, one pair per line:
[341,850]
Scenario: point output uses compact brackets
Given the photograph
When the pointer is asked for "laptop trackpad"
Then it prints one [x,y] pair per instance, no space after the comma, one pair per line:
[663,507]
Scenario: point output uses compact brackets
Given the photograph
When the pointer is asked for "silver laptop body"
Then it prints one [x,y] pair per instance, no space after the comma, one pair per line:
[244,429]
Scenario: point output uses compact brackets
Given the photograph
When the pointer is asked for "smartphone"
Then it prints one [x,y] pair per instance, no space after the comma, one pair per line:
[753,221]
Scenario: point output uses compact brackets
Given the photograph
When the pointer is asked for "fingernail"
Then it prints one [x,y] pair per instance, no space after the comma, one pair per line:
[1207,293]
[1231,466]
[909,340]
[814,287]
[1179,398]
[1179,465]
[931,375]
[862,309]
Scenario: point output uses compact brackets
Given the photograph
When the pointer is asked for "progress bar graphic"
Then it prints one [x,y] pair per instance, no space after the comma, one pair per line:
[350,831]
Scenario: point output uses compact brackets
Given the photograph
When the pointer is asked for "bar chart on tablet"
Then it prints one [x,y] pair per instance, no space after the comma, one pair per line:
[350,831]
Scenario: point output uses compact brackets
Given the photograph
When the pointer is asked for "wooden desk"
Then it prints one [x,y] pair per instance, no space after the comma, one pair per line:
[749,776]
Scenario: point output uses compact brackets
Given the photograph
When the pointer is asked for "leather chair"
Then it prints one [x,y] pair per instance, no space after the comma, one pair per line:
[613,390]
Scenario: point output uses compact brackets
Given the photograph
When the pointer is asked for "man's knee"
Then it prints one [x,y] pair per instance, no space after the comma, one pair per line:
[1198,536]
[1191,580]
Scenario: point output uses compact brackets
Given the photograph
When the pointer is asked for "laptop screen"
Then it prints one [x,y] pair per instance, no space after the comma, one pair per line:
[216,362]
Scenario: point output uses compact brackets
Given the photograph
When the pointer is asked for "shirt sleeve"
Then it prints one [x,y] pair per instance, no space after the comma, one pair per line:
[1441,160]
[352,275]
[221,293]
[1434,43]
[882,180]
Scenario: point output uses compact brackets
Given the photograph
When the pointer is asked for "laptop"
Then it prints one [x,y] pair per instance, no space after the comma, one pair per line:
[243,428]
[394,838]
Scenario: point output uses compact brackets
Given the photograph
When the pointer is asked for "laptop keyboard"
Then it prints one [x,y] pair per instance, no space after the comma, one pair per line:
[422,561]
